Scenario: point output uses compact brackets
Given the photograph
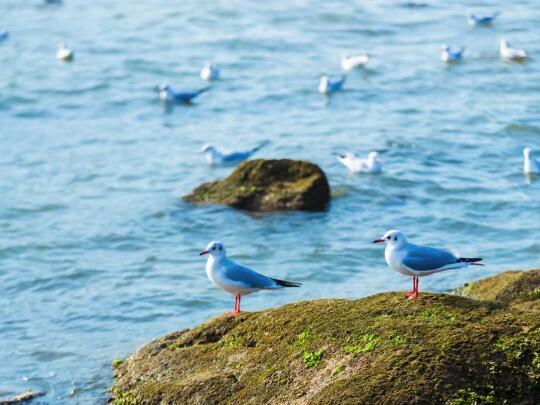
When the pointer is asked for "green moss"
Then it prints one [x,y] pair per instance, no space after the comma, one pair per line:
[117,362]
[365,343]
[312,359]
[380,349]
[338,369]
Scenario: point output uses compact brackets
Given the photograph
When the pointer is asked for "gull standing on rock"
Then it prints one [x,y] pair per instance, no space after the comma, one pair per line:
[167,94]
[351,62]
[531,164]
[233,278]
[419,261]
[357,165]
[327,86]
[216,157]
[477,20]
[509,53]
[449,55]
[210,72]
[63,53]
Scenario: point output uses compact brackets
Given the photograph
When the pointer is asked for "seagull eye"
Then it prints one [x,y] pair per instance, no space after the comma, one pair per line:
[388,237]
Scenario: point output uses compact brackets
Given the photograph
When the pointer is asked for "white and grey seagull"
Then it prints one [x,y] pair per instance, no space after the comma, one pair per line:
[236,279]
[449,54]
[216,157]
[328,86]
[419,261]
[481,20]
[168,95]
[358,165]
[531,164]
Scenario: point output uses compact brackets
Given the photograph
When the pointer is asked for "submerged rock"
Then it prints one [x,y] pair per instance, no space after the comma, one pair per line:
[268,185]
[22,397]
[439,349]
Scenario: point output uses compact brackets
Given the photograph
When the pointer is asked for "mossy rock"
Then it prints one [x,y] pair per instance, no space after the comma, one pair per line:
[383,349]
[517,287]
[268,185]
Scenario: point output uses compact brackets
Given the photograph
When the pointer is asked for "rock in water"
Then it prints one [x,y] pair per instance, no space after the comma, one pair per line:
[22,397]
[268,185]
[383,349]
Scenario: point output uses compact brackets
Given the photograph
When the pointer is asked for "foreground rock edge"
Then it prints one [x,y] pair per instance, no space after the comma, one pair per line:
[379,349]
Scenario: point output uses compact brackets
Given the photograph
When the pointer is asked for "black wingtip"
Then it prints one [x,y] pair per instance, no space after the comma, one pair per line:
[471,260]
[285,283]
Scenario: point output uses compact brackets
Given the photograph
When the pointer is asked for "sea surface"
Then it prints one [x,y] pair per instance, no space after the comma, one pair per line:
[98,254]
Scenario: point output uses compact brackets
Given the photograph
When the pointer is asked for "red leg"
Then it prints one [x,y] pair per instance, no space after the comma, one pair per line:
[409,293]
[236,309]
[414,295]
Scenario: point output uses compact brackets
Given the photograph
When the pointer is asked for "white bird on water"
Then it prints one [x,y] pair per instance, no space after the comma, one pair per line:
[481,20]
[168,95]
[419,261]
[215,157]
[509,53]
[236,279]
[210,72]
[531,164]
[327,86]
[351,62]
[64,53]
[358,165]
[449,55]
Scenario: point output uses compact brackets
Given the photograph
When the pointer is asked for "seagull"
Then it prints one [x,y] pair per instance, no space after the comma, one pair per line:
[449,55]
[63,53]
[351,62]
[167,94]
[477,20]
[236,279]
[510,53]
[327,86]
[210,72]
[215,157]
[531,164]
[418,261]
[4,35]
[356,165]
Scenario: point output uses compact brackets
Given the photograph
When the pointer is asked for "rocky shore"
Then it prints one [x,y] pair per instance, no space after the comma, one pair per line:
[479,347]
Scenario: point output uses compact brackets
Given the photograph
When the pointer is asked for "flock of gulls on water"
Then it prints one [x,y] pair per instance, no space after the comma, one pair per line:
[402,256]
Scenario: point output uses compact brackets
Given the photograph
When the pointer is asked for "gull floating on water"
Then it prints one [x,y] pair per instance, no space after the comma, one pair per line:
[167,94]
[419,261]
[531,164]
[351,62]
[449,55]
[63,53]
[215,157]
[210,72]
[356,165]
[236,279]
[509,53]
[481,20]
[327,86]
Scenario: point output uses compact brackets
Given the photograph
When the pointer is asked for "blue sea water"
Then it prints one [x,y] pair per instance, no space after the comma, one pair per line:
[98,254]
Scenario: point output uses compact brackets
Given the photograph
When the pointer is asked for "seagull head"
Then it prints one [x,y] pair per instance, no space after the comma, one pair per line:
[527,152]
[207,148]
[62,45]
[373,156]
[445,47]
[504,43]
[214,249]
[392,238]
[164,87]
[324,80]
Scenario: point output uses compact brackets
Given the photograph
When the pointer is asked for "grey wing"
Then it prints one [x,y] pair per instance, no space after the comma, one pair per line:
[425,258]
[236,156]
[248,278]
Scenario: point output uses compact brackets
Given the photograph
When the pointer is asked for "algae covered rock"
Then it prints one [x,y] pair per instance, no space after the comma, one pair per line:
[383,349]
[508,287]
[268,185]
